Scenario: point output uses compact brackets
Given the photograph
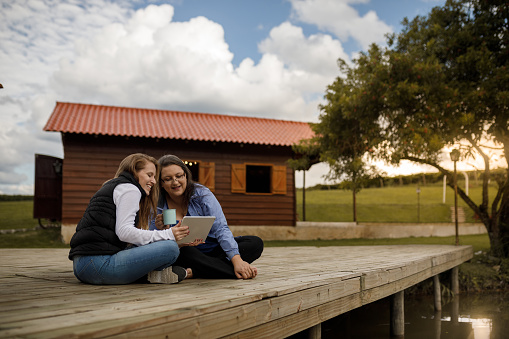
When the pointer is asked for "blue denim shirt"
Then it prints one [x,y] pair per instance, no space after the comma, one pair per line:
[203,202]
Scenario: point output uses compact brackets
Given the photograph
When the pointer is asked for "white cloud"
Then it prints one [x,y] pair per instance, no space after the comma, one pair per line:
[316,53]
[102,51]
[341,19]
[152,61]
[34,35]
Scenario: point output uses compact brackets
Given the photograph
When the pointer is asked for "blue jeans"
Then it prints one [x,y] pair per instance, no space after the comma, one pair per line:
[126,266]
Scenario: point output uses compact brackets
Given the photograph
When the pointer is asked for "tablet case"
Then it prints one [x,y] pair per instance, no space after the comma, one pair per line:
[199,227]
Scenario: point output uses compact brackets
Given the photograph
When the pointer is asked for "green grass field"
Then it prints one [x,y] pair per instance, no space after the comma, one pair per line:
[389,204]
[17,214]
[37,238]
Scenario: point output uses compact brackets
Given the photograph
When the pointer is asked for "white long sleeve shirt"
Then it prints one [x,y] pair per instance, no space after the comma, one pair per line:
[127,201]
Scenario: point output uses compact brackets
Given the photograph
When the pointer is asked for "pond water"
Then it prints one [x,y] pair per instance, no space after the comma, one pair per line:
[478,316]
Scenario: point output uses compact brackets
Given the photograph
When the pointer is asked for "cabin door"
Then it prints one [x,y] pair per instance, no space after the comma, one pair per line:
[48,190]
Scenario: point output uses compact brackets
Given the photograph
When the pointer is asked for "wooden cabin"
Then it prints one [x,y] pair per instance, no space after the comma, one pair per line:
[243,160]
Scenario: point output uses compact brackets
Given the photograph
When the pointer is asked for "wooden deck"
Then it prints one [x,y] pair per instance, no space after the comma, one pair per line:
[297,288]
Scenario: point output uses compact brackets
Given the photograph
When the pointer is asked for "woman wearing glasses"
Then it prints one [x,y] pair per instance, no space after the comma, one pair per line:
[221,255]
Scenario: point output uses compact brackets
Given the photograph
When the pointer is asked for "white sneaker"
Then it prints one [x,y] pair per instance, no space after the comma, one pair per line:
[170,275]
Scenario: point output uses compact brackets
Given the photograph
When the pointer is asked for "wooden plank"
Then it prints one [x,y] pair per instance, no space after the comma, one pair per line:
[301,321]
[297,288]
[244,316]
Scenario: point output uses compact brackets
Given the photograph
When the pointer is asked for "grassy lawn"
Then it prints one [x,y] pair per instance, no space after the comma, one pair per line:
[17,214]
[38,238]
[388,204]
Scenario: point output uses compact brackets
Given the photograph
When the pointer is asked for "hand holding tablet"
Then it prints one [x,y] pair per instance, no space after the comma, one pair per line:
[199,228]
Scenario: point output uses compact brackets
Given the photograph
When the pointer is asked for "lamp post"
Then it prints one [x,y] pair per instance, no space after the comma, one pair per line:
[418,204]
[455,156]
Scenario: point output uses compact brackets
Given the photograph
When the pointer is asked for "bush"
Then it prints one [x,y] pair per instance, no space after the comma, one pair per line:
[484,273]
[4,197]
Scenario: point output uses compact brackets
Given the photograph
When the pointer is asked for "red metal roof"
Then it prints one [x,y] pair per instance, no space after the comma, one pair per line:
[153,123]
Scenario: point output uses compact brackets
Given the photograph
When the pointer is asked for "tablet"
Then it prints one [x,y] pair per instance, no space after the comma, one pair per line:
[199,228]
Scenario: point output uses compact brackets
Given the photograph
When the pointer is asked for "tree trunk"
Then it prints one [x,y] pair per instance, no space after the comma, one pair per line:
[354,205]
[496,223]
[503,218]
[498,232]
[500,242]
[303,195]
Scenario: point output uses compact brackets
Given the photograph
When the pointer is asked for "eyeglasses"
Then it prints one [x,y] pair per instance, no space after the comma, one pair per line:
[177,178]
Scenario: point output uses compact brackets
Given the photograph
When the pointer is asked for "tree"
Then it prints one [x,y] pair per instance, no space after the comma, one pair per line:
[346,132]
[442,82]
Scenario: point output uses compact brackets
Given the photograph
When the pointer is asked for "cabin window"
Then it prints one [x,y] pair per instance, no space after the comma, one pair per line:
[202,172]
[258,179]
[194,167]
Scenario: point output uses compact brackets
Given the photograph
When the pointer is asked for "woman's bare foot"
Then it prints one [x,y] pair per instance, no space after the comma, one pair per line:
[189,273]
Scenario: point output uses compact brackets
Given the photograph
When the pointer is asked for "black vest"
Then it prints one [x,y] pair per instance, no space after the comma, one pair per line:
[95,233]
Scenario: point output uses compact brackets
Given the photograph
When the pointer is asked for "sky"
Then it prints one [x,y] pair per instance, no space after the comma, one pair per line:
[261,58]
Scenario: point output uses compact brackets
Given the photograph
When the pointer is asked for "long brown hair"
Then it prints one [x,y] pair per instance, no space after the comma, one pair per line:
[133,164]
[168,160]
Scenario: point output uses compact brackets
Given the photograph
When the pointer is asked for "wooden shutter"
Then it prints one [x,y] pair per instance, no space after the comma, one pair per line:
[238,178]
[279,179]
[208,175]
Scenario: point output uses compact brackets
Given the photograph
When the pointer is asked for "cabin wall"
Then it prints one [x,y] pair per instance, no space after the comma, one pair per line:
[91,160]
